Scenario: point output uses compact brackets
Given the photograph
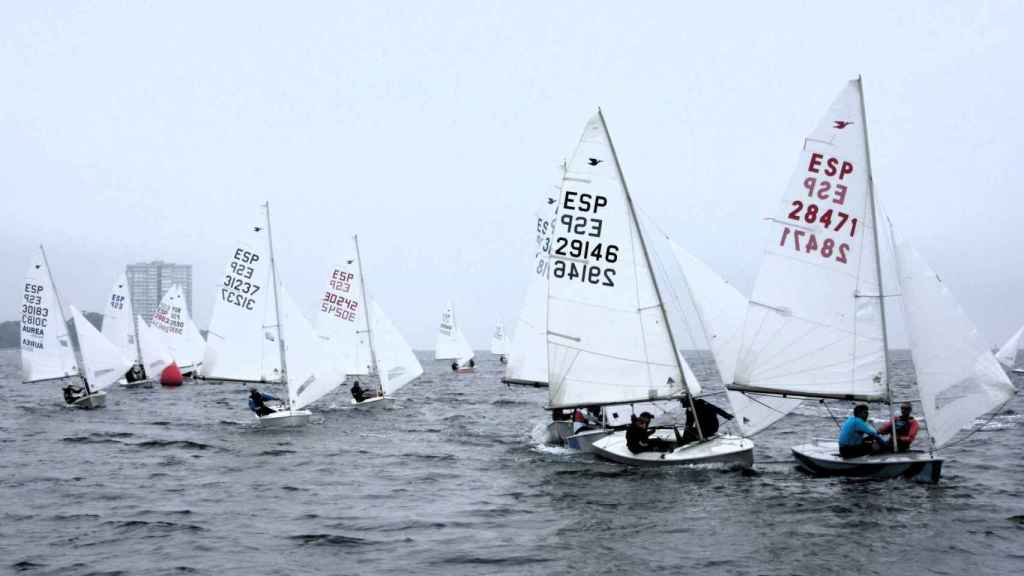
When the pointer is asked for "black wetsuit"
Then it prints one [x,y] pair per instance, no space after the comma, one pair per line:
[358,393]
[707,416]
[639,440]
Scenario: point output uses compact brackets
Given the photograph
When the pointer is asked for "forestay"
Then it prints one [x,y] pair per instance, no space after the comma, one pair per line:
[451,344]
[397,365]
[341,319]
[118,326]
[499,344]
[155,356]
[608,341]
[814,324]
[1007,355]
[722,309]
[957,376]
[241,343]
[183,339]
[102,362]
[528,354]
[46,351]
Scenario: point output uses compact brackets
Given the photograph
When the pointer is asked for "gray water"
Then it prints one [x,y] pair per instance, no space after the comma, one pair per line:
[453,481]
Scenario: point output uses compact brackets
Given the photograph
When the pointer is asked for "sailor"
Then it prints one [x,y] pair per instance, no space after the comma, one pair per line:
[455,365]
[135,374]
[358,394]
[638,436]
[906,428]
[857,437]
[707,417]
[588,419]
[503,359]
[257,402]
[73,393]
[472,364]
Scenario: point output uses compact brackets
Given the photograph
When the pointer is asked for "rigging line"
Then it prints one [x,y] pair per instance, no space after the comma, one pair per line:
[829,410]
[613,357]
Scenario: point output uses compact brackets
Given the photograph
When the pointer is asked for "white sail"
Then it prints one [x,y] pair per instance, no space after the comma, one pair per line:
[46,351]
[814,325]
[499,344]
[607,337]
[397,365]
[311,373]
[103,363]
[155,356]
[957,376]
[722,310]
[180,333]
[118,319]
[241,343]
[451,343]
[528,354]
[1007,355]
[341,319]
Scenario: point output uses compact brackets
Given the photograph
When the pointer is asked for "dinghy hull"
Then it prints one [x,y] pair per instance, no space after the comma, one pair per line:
[720,449]
[94,400]
[584,440]
[285,419]
[381,401]
[1018,370]
[558,432]
[823,459]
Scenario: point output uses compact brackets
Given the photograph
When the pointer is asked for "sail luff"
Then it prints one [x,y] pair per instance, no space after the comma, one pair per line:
[366,307]
[650,267]
[63,320]
[277,309]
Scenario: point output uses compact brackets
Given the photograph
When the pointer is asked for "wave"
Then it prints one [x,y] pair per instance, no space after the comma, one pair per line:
[329,539]
[187,444]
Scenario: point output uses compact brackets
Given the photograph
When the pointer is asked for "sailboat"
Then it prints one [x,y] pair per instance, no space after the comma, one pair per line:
[528,355]
[451,343]
[181,335]
[102,362]
[816,322]
[1007,354]
[609,338]
[153,353]
[499,343]
[119,328]
[363,337]
[46,351]
[258,333]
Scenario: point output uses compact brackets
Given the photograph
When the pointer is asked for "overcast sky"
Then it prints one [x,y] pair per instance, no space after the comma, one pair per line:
[147,130]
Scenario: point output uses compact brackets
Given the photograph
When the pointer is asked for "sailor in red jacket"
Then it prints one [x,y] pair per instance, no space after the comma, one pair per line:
[906,428]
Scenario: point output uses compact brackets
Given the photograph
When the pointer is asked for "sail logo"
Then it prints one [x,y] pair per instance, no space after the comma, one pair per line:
[594,161]
[840,124]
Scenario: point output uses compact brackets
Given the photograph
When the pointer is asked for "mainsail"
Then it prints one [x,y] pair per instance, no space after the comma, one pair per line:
[957,376]
[242,341]
[608,339]
[814,324]
[722,309]
[499,344]
[180,333]
[528,356]
[310,375]
[451,344]
[102,362]
[46,351]
[341,319]
[1007,355]
[154,353]
[118,319]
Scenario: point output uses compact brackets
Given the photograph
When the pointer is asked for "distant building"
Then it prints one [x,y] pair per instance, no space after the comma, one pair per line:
[149,281]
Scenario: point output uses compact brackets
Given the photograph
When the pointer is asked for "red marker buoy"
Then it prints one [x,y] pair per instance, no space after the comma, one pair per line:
[171,376]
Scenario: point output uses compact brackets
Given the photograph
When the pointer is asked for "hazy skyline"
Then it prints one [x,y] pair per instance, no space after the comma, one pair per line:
[131,132]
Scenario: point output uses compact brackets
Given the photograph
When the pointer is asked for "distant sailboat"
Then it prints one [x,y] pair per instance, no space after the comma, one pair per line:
[363,336]
[1007,355]
[181,335]
[609,339]
[451,343]
[46,351]
[253,318]
[499,343]
[528,355]
[152,350]
[816,322]
[103,363]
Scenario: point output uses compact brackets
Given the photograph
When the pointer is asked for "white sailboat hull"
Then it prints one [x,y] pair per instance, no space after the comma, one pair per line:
[584,440]
[1018,370]
[558,432]
[381,401]
[285,419]
[720,449]
[823,459]
[94,400]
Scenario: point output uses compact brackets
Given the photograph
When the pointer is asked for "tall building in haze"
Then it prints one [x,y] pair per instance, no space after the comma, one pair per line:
[149,281]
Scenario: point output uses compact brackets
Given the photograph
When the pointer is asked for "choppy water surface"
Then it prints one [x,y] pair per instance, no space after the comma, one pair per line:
[452,481]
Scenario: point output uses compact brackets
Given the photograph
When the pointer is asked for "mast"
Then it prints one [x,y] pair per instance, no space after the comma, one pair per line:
[277,302]
[878,261]
[650,268]
[366,307]
[63,321]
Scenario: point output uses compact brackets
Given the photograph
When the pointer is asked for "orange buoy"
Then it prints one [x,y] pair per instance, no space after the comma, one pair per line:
[171,376]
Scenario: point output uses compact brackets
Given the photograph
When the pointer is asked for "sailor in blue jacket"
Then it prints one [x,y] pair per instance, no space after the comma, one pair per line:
[857,437]
[257,402]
